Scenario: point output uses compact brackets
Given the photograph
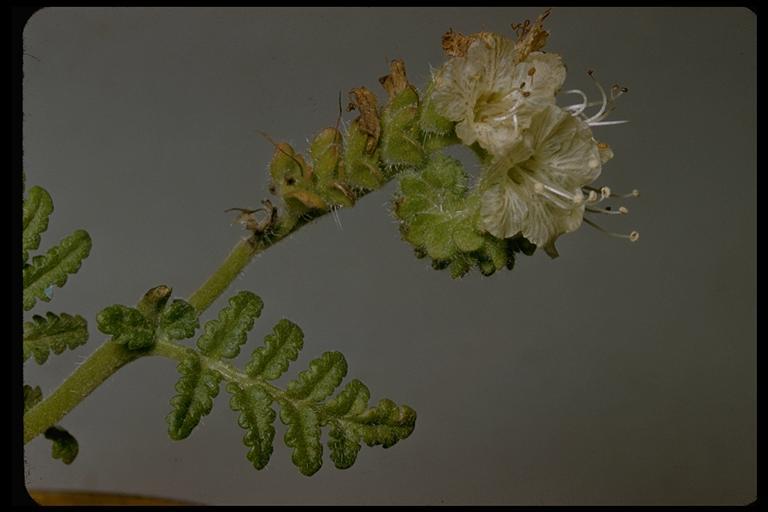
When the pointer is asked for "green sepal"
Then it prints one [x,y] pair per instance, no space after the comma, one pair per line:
[196,390]
[224,335]
[321,378]
[326,154]
[52,333]
[257,417]
[65,446]
[281,347]
[293,181]
[38,207]
[53,267]
[430,121]
[401,143]
[361,169]
[440,216]
[303,435]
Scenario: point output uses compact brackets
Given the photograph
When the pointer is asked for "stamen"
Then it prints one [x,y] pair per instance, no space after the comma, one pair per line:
[604,104]
[609,211]
[577,108]
[556,195]
[634,236]
[607,123]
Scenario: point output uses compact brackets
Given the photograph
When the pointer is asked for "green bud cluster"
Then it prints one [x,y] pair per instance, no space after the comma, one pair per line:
[439,216]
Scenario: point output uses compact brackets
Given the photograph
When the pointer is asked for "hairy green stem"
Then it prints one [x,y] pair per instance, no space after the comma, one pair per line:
[105,361]
[220,280]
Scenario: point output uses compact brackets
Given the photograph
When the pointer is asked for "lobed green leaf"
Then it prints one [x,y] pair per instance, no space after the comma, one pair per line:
[53,267]
[303,435]
[38,207]
[353,399]
[127,326]
[224,336]
[53,333]
[384,425]
[196,390]
[65,446]
[257,418]
[343,447]
[280,349]
[318,382]
[177,321]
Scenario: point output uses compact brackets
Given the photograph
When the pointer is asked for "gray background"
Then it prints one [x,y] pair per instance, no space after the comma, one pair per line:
[619,373]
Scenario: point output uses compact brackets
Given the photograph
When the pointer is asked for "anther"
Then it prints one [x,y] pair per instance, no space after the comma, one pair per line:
[634,236]
[605,193]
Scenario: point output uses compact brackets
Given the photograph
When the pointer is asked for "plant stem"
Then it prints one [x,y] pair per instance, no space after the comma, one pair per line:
[218,282]
[105,361]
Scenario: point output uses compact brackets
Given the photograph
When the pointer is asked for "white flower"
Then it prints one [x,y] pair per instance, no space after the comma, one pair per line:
[491,93]
[536,188]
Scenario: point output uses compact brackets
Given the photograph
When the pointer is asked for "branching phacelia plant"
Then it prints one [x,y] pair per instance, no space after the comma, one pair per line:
[494,94]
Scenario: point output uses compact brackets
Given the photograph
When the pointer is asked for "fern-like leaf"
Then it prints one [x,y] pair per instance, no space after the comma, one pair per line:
[152,320]
[352,422]
[53,267]
[127,326]
[384,425]
[344,448]
[196,390]
[224,336]
[303,435]
[65,446]
[279,350]
[304,405]
[38,207]
[53,333]
[352,400]
[177,321]
[257,418]
[323,376]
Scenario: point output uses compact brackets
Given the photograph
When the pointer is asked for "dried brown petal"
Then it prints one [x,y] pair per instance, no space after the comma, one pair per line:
[396,81]
[456,44]
[530,37]
[364,101]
